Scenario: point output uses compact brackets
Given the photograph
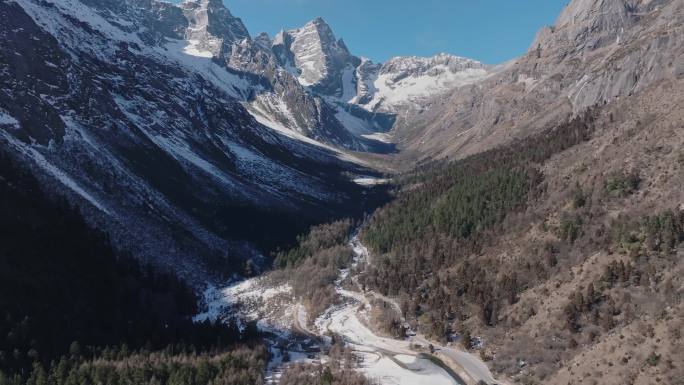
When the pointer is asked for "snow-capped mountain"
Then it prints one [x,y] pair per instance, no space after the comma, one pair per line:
[113,105]
[367,95]
[410,81]
[598,52]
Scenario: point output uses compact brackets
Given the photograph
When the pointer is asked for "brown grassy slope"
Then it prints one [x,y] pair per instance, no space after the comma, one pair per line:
[645,134]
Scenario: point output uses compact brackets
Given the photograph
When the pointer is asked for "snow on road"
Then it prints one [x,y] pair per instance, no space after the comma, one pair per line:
[345,321]
[388,361]
[419,371]
[472,365]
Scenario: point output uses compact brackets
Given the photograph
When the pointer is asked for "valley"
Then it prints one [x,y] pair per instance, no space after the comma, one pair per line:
[187,202]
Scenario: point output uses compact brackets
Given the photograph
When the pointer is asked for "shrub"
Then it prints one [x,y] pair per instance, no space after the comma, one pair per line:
[653,359]
[570,228]
[579,199]
[619,184]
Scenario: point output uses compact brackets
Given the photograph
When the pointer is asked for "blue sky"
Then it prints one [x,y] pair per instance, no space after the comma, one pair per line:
[491,31]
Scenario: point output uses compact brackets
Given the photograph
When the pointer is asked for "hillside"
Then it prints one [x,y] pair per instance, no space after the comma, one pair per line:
[71,302]
[511,255]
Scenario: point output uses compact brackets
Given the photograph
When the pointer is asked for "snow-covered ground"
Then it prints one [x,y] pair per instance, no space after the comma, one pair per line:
[267,120]
[379,136]
[248,299]
[275,312]
[417,370]
[370,181]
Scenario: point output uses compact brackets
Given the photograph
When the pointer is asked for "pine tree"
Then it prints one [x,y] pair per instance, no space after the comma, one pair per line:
[578,197]
[38,375]
[591,294]
[75,350]
[467,340]
[327,376]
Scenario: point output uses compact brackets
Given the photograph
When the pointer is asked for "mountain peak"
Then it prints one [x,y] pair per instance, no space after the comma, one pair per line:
[212,25]
[263,40]
[318,21]
[321,28]
[206,4]
[317,54]
[590,24]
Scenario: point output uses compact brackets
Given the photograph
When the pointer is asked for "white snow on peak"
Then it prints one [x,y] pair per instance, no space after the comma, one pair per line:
[405,80]
[279,38]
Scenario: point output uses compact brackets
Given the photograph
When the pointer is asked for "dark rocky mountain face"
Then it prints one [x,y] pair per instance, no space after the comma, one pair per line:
[155,145]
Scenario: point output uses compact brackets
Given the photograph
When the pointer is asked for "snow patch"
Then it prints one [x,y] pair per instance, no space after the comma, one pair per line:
[379,136]
[264,169]
[193,49]
[188,55]
[392,91]
[356,126]
[348,84]
[419,371]
[370,181]
[267,120]
[58,26]
[7,119]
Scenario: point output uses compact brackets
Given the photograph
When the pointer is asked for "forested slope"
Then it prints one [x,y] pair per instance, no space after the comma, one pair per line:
[75,310]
